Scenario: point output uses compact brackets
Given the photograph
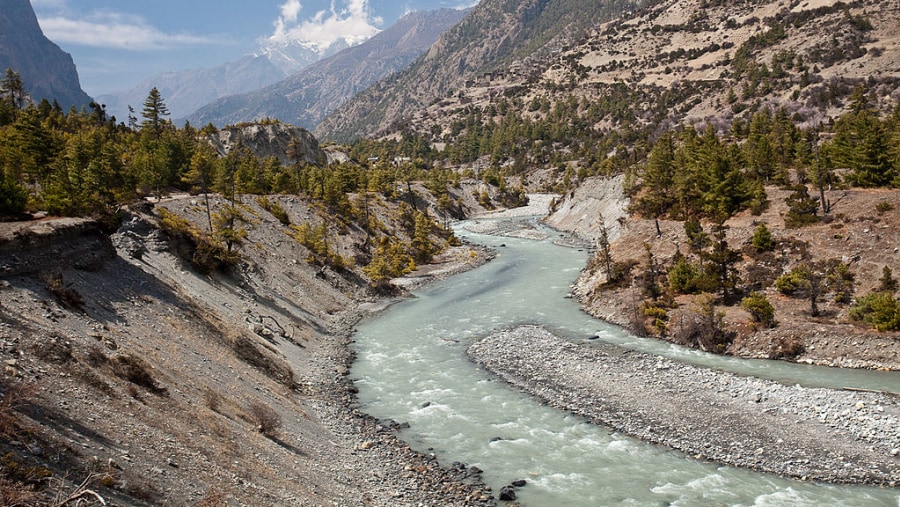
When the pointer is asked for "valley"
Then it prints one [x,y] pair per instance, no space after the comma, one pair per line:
[486,253]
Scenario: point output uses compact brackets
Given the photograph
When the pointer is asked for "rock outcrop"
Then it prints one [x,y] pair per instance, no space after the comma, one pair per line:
[47,71]
[270,140]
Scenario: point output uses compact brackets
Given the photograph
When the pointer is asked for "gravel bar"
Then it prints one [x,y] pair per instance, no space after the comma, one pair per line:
[815,434]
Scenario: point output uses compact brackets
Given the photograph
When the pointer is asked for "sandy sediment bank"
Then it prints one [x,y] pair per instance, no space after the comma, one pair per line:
[808,433]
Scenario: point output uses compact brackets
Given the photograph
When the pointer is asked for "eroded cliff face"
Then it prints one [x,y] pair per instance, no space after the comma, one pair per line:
[58,244]
[47,71]
[155,378]
[286,142]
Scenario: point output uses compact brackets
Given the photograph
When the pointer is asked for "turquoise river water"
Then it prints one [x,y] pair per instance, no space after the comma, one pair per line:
[411,367]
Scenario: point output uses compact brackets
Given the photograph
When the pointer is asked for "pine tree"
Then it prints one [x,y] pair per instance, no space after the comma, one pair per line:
[762,239]
[887,282]
[12,89]
[721,263]
[659,178]
[862,144]
[155,112]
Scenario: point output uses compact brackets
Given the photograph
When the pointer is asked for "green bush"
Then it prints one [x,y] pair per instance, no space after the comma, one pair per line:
[795,281]
[685,277]
[878,309]
[762,239]
[760,309]
[659,316]
[275,209]
[883,207]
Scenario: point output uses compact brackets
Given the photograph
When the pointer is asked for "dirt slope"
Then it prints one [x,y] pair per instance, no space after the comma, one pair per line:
[154,383]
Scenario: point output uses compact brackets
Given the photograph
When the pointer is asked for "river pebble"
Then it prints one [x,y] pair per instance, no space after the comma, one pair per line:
[811,433]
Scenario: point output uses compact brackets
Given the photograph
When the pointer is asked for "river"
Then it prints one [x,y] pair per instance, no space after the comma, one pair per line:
[411,367]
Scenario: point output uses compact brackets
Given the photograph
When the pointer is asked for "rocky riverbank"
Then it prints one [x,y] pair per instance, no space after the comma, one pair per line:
[805,433]
[150,383]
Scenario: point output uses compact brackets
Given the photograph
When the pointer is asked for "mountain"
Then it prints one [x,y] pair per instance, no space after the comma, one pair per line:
[307,96]
[654,67]
[47,71]
[496,34]
[187,90]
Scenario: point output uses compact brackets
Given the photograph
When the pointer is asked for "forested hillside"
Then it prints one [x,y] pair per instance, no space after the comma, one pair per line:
[85,164]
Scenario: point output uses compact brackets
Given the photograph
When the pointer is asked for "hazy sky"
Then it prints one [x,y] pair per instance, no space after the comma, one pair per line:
[118,43]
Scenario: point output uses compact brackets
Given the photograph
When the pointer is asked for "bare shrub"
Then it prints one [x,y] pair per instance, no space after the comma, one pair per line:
[274,367]
[21,481]
[704,328]
[786,347]
[17,493]
[13,399]
[56,350]
[267,420]
[64,294]
[212,399]
[133,392]
[212,499]
[96,356]
[138,372]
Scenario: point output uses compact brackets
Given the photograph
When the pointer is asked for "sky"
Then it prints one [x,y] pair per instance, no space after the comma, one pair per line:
[116,44]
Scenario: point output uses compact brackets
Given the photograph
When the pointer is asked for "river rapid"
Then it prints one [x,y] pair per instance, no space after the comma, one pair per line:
[411,367]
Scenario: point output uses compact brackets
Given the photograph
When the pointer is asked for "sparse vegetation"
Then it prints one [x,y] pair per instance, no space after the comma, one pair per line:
[878,309]
[138,372]
[267,420]
[759,307]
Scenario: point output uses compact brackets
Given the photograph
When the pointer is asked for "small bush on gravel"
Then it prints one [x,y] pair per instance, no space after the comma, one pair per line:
[212,398]
[138,372]
[64,294]
[274,367]
[275,209]
[786,347]
[878,309]
[760,309]
[883,207]
[267,420]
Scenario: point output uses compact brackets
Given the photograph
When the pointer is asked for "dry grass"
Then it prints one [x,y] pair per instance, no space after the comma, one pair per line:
[267,420]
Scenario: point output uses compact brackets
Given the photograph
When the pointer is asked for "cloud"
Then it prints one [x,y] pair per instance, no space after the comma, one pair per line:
[466,4]
[112,30]
[352,22]
[290,11]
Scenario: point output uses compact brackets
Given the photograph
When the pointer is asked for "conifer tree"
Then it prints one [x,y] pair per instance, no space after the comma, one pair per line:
[12,89]
[155,112]
[862,144]
[721,263]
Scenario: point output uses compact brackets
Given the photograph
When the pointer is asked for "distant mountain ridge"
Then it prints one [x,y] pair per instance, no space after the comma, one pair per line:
[47,71]
[306,97]
[187,90]
[495,34]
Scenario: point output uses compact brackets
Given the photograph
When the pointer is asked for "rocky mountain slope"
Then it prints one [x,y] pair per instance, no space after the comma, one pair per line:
[493,36]
[654,67]
[307,96]
[47,71]
[270,140]
[130,377]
